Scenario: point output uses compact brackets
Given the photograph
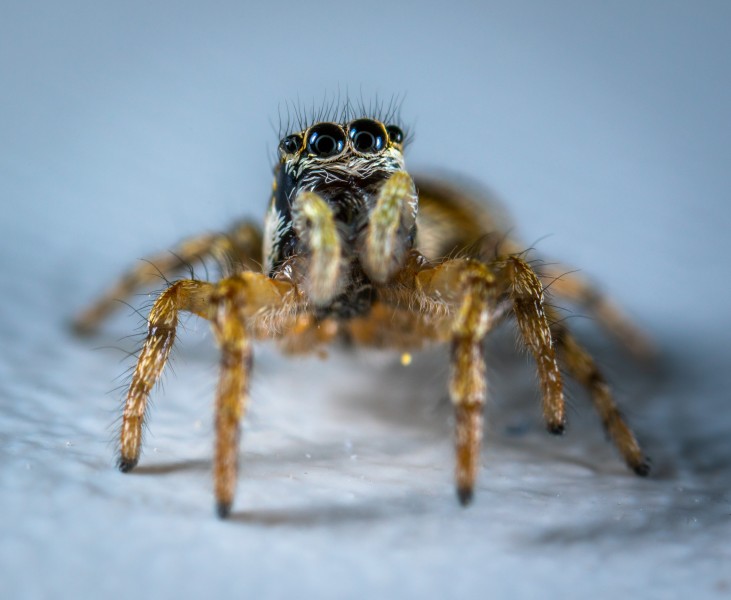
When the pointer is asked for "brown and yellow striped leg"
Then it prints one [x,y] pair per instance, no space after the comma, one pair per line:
[237,249]
[229,327]
[188,295]
[243,301]
[526,292]
[467,383]
[575,288]
[581,366]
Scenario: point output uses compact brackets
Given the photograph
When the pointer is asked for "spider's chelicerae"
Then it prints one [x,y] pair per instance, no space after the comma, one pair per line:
[356,251]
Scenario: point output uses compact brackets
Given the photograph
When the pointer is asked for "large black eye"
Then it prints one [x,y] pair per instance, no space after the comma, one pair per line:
[325,139]
[367,136]
[395,134]
[290,144]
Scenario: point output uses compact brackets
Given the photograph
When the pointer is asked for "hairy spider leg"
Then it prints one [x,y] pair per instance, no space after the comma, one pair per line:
[232,393]
[229,326]
[185,295]
[453,222]
[526,293]
[236,305]
[581,366]
[473,286]
[235,250]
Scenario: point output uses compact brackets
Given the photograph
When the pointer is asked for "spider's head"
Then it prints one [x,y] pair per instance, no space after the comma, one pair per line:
[344,164]
[331,158]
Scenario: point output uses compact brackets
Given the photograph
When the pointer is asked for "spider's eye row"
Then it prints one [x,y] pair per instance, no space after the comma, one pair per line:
[291,144]
[325,140]
[367,136]
[395,134]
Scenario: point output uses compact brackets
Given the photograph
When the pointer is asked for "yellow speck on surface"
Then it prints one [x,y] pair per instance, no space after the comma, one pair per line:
[406,359]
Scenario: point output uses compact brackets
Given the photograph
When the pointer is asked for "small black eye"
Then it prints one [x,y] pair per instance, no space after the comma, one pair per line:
[367,136]
[290,144]
[325,140]
[395,134]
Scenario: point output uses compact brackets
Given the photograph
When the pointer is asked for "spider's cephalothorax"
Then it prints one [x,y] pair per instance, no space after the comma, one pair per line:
[340,260]
[330,183]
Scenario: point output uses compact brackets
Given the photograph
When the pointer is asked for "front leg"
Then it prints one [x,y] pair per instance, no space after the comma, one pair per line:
[234,305]
[232,394]
[186,295]
[477,310]
[238,306]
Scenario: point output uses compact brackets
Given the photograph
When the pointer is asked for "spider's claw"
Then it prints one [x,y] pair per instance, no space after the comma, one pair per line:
[642,469]
[465,495]
[223,509]
[82,327]
[556,428]
[126,464]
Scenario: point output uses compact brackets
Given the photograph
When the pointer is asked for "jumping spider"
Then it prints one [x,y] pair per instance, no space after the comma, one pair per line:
[354,250]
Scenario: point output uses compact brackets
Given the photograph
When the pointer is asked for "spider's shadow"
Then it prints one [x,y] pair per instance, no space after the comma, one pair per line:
[317,515]
[171,468]
[675,433]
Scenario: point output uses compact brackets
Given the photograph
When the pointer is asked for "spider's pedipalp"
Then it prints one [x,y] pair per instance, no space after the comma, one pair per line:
[390,225]
[314,223]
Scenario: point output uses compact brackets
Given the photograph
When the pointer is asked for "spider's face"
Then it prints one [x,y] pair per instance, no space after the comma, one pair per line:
[345,164]
[364,138]
[351,154]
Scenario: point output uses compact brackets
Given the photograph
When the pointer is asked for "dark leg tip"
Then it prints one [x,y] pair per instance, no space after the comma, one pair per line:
[643,469]
[556,428]
[82,328]
[126,464]
[465,495]
[223,509]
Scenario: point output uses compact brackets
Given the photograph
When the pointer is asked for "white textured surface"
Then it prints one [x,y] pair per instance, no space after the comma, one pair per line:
[126,127]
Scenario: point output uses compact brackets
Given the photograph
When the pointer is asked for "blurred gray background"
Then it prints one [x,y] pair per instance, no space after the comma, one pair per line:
[126,126]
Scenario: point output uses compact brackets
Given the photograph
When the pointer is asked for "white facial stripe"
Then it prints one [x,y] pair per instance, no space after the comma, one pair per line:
[275,226]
